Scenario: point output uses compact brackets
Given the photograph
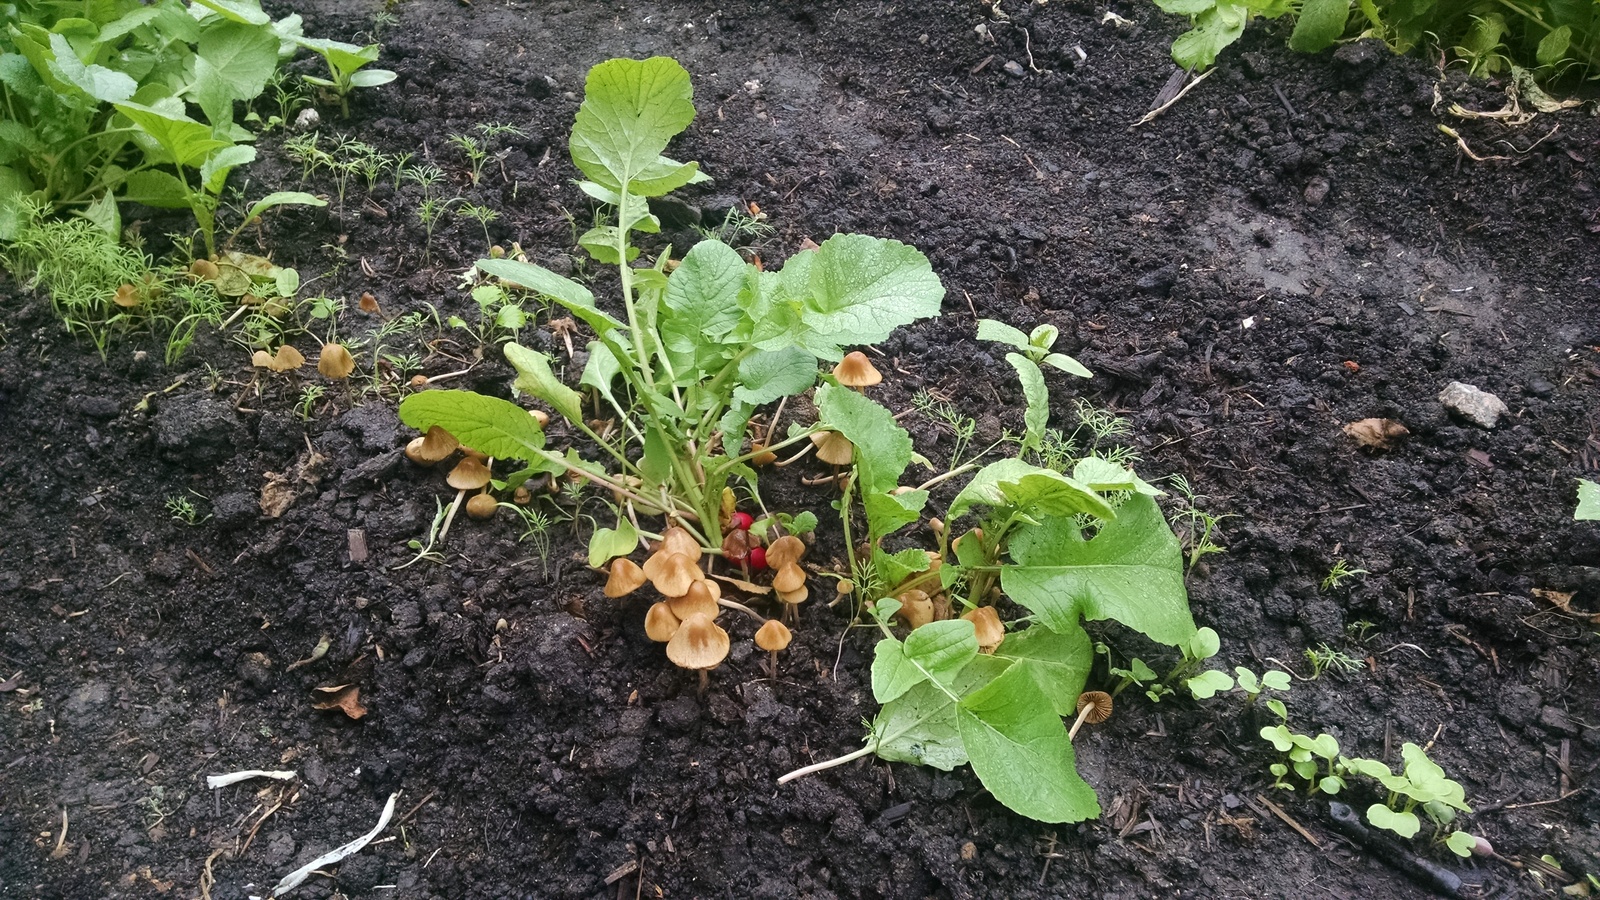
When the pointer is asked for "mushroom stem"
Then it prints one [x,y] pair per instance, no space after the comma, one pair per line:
[705,680]
[734,604]
[826,764]
[448,375]
[1077,723]
[772,667]
[822,479]
[450,516]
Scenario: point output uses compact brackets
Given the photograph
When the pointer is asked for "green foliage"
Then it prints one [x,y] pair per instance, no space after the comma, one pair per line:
[1588,500]
[1492,36]
[1033,350]
[347,68]
[1216,24]
[1339,574]
[99,96]
[697,350]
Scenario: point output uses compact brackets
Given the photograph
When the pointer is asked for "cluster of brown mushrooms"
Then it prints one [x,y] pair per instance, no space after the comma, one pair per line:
[685,619]
[470,474]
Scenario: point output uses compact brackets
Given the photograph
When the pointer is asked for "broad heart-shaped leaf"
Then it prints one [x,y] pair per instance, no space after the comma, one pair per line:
[1031,489]
[1059,663]
[1209,683]
[1428,780]
[631,110]
[1037,414]
[1131,571]
[214,171]
[1214,29]
[99,82]
[535,379]
[854,289]
[1404,824]
[489,425]
[767,375]
[573,296]
[1588,500]
[701,307]
[607,543]
[1019,749]
[936,651]
[919,728]
[232,62]
[1321,23]
[344,59]
[883,448]
[182,140]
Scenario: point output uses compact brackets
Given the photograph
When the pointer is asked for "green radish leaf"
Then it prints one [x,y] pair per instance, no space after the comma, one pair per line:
[1185,7]
[1321,23]
[1324,745]
[608,543]
[883,448]
[895,568]
[283,198]
[1371,768]
[104,214]
[1588,500]
[232,62]
[1019,749]
[701,307]
[767,375]
[919,728]
[369,78]
[631,109]
[214,171]
[1330,784]
[1034,490]
[1131,571]
[1105,476]
[99,82]
[1281,738]
[1205,644]
[1059,663]
[489,425]
[1037,414]
[1209,683]
[1552,49]
[1404,824]
[1277,679]
[184,141]
[854,289]
[1247,680]
[991,330]
[1461,843]
[1214,29]
[535,379]
[573,296]
[245,12]
[936,651]
[153,187]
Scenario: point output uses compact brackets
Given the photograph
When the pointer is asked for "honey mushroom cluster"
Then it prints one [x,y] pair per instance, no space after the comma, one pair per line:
[685,619]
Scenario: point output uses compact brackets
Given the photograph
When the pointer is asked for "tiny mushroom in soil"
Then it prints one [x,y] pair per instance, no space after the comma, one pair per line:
[773,636]
[469,475]
[916,609]
[625,577]
[432,448]
[286,359]
[481,506]
[699,644]
[785,550]
[1094,707]
[700,598]
[834,448]
[660,624]
[335,362]
[856,371]
[986,622]
[671,573]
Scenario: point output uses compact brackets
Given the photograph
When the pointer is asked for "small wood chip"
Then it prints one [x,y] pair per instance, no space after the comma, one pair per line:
[1289,820]
[622,871]
[356,539]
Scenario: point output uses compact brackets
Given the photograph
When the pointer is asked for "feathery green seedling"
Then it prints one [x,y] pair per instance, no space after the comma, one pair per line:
[1324,658]
[1195,527]
[483,215]
[184,510]
[1339,574]
[474,152]
[309,396]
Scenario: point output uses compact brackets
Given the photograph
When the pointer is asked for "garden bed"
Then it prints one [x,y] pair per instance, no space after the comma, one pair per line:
[1292,247]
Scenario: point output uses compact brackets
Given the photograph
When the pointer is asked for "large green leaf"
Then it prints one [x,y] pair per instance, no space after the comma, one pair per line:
[701,307]
[1019,749]
[920,728]
[245,12]
[936,651]
[1588,500]
[1031,490]
[214,171]
[184,141]
[767,375]
[1321,23]
[883,448]
[631,110]
[232,62]
[535,378]
[854,289]
[573,296]
[1059,663]
[489,425]
[1131,571]
[99,82]
[1214,29]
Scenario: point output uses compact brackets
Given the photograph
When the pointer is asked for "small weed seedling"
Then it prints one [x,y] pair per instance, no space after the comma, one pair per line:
[483,215]
[1031,351]
[183,509]
[1324,658]
[1588,501]
[1195,526]
[1339,574]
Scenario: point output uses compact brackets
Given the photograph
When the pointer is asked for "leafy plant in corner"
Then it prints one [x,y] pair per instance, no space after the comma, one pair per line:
[1218,23]
[1588,501]
[347,68]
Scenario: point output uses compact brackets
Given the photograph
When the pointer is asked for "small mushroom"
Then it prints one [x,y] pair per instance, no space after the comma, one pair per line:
[286,359]
[736,547]
[794,598]
[481,506]
[1094,707]
[834,448]
[678,540]
[986,622]
[672,573]
[469,475]
[335,362]
[760,455]
[660,624]
[701,597]
[856,371]
[625,578]
[785,550]
[790,577]
[431,448]
[916,609]
[698,644]
[540,416]
[127,296]
[773,636]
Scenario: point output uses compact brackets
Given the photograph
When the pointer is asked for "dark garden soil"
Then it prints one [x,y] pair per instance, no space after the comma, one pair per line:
[1292,247]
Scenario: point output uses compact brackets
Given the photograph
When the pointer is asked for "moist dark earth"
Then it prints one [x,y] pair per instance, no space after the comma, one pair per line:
[1293,246]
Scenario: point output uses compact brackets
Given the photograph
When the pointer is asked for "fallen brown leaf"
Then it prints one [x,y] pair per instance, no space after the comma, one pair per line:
[344,697]
[1379,434]
[1563,602]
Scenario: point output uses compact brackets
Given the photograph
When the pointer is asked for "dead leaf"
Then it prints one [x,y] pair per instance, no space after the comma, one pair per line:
[1379,434]
[1563,602]
[284,488]
[344,697]
[746,586]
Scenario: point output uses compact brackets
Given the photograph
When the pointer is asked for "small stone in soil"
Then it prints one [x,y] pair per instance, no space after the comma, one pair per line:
[1481,408]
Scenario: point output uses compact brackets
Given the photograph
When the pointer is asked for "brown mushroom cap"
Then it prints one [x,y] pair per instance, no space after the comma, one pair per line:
[660,624]
[432,447]
[672,573]
[1098,703]
[790,578]
[335,362]
[856,371]
[678,540]
[287,358]
[794,597]
[986,623]
[700,598]
[785,550]
[916,609]
[481,506]
[625,577]
[699,643]
[773,636]
[468,475]
[834,448]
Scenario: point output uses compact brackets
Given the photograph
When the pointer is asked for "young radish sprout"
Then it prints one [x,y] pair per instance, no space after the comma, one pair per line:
[1094,707]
